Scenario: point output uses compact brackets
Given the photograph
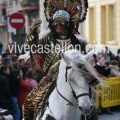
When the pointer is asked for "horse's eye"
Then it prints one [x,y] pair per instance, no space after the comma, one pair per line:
[80,66]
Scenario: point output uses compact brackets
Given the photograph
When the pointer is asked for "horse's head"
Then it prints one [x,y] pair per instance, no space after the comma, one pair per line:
[79,71]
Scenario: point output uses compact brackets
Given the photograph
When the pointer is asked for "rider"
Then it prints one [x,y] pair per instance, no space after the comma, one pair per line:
[62,37]
[61,32]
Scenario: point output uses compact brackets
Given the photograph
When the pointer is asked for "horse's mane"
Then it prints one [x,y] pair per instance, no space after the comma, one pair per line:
[79,58]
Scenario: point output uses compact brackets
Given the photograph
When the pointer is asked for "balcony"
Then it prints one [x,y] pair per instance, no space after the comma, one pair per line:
[27,9]
[28,5]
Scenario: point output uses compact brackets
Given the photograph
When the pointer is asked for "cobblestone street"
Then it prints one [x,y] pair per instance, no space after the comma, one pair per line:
[115,116]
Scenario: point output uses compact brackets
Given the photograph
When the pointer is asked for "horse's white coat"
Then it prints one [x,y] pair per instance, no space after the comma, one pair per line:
[58,107]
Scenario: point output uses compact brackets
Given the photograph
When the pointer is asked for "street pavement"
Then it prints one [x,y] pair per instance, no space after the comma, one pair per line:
[115,116]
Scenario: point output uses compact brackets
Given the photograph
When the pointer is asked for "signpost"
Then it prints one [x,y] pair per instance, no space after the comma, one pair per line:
[17,20]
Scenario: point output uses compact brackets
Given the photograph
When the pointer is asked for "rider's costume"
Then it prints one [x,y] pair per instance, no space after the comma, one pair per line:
[46,63]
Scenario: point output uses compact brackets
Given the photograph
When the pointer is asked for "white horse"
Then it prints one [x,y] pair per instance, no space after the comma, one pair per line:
[70,97]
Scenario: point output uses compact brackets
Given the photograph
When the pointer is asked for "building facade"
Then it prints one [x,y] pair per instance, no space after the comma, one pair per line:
[102,25]
[29,9]
[3,24]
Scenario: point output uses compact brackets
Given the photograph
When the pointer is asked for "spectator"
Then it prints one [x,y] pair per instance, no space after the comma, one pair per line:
[15,90]
[6,55]
[30,79]
[105,53]
[114,69]
[7,61]
[14,82]
[118,58]
[5,114]
[110,56]
[15,62]
[27,62]
[100,66]
[5,95]
[24,90]
[23,67]
[21,63]
[92,61]
[118,52]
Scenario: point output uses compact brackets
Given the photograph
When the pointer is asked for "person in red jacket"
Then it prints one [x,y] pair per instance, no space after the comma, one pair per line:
[24,91]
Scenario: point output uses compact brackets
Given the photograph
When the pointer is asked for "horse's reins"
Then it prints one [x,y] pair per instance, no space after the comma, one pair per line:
[73,92]
[69,103]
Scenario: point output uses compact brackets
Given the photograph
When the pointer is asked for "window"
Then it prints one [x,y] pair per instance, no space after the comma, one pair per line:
[110,22]
[103,24]
[107,24]
[4,17]
[3,11]
[92,25]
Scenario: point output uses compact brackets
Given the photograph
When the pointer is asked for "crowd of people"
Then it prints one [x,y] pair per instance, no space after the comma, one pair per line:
[106,63]
[16,81]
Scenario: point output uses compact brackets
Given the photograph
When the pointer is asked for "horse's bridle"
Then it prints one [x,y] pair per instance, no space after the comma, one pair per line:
[73,92]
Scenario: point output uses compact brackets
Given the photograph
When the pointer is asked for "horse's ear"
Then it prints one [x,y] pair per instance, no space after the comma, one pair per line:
[66,58]
[88,56]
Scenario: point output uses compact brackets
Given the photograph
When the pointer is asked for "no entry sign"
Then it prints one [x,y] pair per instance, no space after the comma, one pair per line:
[17,20]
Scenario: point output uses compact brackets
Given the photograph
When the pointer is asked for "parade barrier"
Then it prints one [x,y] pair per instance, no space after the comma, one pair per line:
[109,96]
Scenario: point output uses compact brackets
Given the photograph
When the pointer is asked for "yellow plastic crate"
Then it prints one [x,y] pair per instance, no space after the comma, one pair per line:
[110,96]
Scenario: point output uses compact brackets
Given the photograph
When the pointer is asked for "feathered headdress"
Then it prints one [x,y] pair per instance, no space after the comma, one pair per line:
[77,9]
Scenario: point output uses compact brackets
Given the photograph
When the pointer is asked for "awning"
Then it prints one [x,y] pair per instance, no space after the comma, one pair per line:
[27,9]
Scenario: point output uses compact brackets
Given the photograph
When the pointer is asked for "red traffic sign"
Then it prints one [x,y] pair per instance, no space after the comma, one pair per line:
[17,20]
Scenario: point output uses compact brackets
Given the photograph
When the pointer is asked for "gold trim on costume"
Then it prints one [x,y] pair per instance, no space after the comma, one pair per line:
[66,40]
